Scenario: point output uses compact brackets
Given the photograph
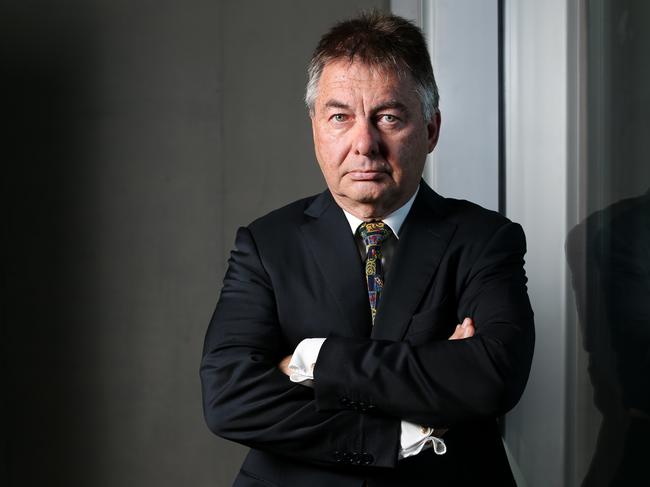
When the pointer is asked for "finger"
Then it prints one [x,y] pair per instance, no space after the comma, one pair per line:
[463,330]
[284,365]
[459,333]
[468,328]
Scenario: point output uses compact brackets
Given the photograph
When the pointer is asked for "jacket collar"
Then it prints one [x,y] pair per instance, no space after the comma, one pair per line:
[423,242]
[327,234]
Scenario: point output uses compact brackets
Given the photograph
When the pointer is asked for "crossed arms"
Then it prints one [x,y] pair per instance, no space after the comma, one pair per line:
[249,400]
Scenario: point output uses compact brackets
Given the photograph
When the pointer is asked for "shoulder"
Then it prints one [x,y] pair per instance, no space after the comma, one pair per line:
[468,218]
[280,229]
[480,229]
[277,236]
[285,218]
[472,228]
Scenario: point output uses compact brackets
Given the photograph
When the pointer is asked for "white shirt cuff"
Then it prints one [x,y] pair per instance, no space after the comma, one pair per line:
[304,358]
[415,438]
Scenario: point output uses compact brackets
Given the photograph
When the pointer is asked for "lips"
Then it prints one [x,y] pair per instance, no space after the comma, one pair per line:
[367,175]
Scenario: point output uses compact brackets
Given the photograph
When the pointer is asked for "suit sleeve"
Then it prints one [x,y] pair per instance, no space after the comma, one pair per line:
[247,399]
[442,383]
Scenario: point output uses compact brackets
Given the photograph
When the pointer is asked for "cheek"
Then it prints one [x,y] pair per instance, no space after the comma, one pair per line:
[399,153]
[332,151]
[407,154]
[330,171]
[328,161]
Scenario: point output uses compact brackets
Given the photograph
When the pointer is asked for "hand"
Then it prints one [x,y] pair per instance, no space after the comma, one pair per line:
[463,330]
[284,365]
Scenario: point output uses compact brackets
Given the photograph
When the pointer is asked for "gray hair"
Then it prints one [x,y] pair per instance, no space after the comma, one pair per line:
[382,41]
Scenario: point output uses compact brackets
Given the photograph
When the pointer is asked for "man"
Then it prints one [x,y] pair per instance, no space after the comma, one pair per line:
[354,292]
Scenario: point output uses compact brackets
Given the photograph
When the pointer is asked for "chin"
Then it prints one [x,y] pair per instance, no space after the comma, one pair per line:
[377,200]
[368,192]
[366,197]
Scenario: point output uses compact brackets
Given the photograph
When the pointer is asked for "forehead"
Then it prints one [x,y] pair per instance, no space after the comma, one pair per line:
[342,78]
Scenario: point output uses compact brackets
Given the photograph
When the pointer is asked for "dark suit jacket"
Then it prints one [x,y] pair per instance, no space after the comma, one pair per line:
[296,273]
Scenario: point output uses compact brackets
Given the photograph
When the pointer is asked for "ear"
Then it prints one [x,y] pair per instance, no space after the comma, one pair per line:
[433,130]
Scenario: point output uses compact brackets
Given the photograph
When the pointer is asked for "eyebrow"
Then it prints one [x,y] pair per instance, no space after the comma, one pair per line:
[391,104]
[336,104]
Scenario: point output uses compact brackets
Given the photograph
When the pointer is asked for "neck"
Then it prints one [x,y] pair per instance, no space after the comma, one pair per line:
[370,211]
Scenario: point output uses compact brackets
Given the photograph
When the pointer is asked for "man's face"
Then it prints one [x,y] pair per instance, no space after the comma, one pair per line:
[370,137]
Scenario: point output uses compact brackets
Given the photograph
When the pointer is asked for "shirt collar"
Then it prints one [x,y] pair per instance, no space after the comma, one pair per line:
[394,220]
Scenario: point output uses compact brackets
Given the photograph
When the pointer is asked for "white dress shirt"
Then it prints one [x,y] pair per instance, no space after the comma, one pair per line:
[413,438]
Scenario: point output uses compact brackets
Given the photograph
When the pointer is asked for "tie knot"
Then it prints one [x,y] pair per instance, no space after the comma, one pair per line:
[374,233]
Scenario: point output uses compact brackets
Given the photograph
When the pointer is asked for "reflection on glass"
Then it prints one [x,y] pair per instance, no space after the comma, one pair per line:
[609,252]
[609,257]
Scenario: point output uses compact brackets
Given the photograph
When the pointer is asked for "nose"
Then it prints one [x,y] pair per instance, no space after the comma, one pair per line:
[366,139]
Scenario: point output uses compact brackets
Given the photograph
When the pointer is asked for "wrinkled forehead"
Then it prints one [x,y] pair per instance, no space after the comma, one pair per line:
[380,70]
[342,77]
[360,77]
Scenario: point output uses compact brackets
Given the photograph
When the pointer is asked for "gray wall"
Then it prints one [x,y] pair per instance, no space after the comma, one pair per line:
[142,134]
[463,41]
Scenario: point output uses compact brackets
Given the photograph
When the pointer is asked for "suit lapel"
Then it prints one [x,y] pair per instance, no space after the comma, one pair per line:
[422,244]
[327,234]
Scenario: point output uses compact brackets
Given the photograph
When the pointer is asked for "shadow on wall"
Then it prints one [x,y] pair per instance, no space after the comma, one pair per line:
[121,199]
[48,78]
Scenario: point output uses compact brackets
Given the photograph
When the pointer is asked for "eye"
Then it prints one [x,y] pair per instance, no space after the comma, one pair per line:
[389,118]
[339,117]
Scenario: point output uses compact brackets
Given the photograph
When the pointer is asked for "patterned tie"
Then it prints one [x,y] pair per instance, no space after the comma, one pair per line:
[373,235]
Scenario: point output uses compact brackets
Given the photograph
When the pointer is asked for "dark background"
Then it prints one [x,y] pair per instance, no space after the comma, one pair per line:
[138,136]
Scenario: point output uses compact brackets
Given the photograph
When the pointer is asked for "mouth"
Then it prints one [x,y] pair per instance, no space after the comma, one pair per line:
[367,174]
